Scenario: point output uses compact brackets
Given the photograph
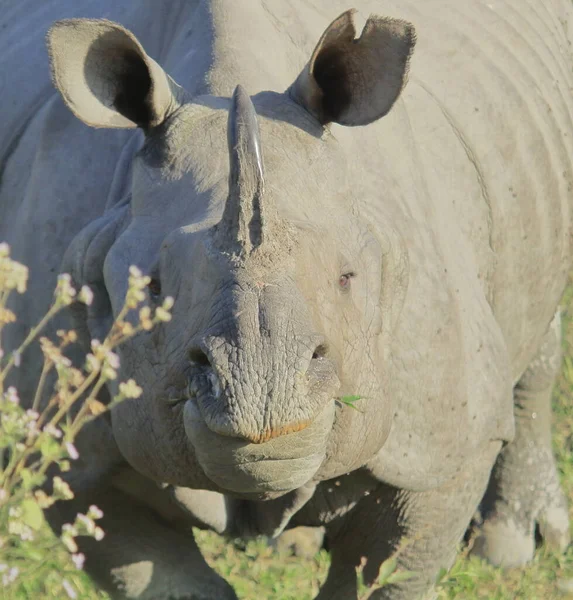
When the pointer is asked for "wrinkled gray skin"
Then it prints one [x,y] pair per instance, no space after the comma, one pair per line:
[416,261]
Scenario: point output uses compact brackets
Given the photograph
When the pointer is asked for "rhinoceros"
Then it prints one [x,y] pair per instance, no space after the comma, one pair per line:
[325,231]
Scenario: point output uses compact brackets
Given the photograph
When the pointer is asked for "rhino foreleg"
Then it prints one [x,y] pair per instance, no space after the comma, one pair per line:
[524,490]
[141,555]
[423,529]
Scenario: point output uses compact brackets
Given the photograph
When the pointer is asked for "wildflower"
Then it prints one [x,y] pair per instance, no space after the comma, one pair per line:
[13,275]
[69,529]
[12,395]
[126,328]
[72,451]
[130,389]
[78,560]
[145,318]
[32,429]
[10,576]
[65,293]
[53,353]
[32,415]
[162,315]
[16,527]
[92,363]
[85,524]
[62,490]
[69,532]
[67,337]
[112,359]
[94,512]
[6,316]
[136,284]
[99,534]
[96,407]
[52,431]
[43,500]
[86,295]
[69,589]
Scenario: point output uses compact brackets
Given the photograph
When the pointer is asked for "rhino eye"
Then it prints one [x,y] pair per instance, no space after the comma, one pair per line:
[344,281]
[154,287]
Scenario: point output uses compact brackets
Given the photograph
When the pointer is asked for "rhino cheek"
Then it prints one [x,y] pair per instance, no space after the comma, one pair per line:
[152,439]
[272,468]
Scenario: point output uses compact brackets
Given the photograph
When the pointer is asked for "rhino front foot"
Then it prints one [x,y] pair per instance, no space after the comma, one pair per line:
[524,490]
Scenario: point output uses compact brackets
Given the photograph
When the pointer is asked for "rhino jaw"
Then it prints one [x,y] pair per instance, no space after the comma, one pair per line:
[268,469]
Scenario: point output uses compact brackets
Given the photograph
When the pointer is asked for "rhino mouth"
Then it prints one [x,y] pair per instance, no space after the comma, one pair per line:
[271,465]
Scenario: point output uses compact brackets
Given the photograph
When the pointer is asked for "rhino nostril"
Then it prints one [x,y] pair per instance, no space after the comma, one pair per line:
[199,358]
[320,351]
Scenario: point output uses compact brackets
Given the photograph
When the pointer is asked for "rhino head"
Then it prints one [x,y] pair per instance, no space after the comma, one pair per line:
[245,220]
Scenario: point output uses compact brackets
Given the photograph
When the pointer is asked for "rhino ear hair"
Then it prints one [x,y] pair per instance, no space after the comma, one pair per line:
[106,78]
[355,81]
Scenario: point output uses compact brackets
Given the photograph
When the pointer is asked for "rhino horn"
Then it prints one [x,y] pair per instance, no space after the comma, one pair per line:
[245,220]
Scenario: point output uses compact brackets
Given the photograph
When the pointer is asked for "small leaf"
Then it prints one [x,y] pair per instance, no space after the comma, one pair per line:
[30,479]
[349,401]
[399,576]
[50,448]
[386,569]
[32,514]
[441,575]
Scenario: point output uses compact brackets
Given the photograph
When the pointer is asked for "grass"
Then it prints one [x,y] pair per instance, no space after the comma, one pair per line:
[257,571]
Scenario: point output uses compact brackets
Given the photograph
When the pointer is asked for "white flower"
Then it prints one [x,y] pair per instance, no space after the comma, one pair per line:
[72,451]
[130,389]
[69,589]
[52,431]
[94,512]
[32,415]
[12,395]
[83,521]
[86,295]
[62,491]
[10,576]
[65,292]
[78,560]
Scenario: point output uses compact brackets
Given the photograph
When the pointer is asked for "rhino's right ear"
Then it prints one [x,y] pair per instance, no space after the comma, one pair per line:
[355,81]
[106,78]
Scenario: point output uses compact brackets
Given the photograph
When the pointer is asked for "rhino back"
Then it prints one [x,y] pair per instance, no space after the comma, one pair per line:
[497,78]
[475,170]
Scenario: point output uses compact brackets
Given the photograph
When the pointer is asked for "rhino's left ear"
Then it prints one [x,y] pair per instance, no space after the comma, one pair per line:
[354,81]
[106,78]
